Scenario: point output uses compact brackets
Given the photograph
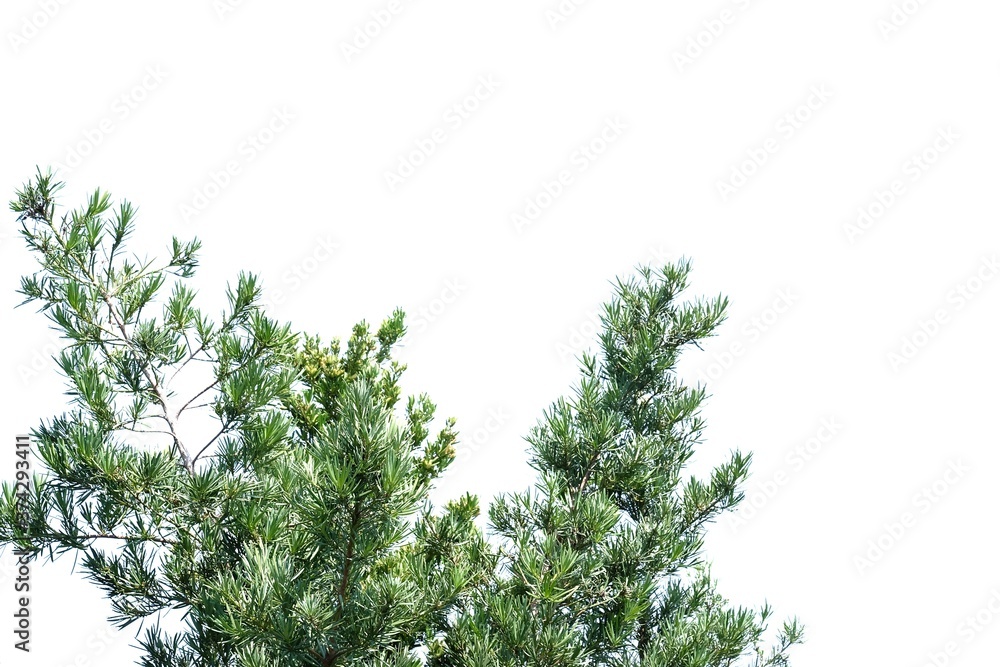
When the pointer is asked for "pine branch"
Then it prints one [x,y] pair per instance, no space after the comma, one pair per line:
[147,373]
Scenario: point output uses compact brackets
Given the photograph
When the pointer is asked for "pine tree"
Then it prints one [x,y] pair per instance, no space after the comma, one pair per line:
[297,531]
[601,564]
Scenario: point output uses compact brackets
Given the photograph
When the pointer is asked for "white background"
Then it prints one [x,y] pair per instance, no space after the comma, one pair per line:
[499,309]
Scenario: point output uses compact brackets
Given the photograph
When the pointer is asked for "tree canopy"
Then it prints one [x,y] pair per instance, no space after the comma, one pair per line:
[298,531]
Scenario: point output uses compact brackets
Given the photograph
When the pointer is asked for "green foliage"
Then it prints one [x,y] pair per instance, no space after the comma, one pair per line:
[298,532]
[601,564]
